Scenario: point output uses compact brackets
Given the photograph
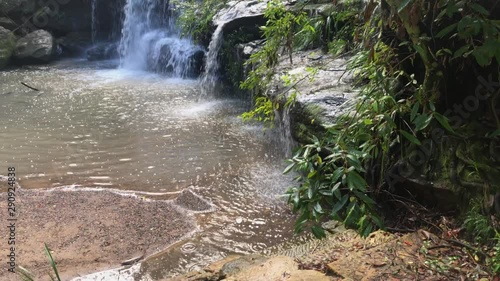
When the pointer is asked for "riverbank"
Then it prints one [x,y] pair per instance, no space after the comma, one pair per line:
[344,255]
[89,230]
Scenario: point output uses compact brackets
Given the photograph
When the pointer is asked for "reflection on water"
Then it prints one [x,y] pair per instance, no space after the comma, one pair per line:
[95,126]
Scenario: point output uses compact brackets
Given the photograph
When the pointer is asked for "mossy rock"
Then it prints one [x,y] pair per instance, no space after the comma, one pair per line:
[7,45]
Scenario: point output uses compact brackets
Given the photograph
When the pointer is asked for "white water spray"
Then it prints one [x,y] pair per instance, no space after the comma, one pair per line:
[147,44]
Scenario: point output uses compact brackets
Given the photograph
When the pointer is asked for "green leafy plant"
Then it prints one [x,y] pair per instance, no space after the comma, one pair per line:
[494,262]
[478,225]
[331,186]
[263,111]
[195,17]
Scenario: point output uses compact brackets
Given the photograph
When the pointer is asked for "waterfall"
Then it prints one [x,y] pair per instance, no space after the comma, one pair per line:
[94,20]
[150,41]
[210,77]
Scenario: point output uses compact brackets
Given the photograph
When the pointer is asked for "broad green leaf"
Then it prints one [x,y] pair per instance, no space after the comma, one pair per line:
[367,200]
[288,168]
[494,134]
[414,111]
[480,9]
[318,231]
[367,230]
[422,121]
[336,186]
[443,121]
[339,205]
[461,51]
[318,208]
[445,31]
[336,174]
[404,5]
[355,181]
[410,137]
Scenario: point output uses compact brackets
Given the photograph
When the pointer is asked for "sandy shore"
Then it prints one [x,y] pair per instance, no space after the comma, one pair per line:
[87,231]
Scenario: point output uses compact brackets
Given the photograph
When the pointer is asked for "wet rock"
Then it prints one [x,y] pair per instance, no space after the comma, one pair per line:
[235,266]
[74,43]
[210,273]
[240,9]
[7,44]
[320,101]
[37,47]
[166,62]
[240,14]
[247,49]
[103,51]
[277,268]
[196,64]
[7,23]
[59,16]
[193,202]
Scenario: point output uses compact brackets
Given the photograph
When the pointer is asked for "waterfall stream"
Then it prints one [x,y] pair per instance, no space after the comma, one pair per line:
[210,78]
[95,23]
[150,41]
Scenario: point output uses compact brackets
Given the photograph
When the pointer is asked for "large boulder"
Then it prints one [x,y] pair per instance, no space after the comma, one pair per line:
[7,44]
[7,23]
[37,47]
[57,16]
[240,14]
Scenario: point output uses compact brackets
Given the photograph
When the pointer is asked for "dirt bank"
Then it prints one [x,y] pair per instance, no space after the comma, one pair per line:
[87,230]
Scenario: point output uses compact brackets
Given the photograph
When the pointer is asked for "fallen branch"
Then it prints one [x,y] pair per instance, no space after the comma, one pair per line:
[28,86]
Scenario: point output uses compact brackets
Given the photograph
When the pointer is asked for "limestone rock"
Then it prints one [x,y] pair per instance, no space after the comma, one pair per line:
[7,44]
[37,47]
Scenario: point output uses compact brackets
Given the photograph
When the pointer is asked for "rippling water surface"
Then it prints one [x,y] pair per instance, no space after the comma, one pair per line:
[92,125]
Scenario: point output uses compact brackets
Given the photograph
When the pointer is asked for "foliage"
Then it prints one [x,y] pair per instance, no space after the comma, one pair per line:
[408,53]
[233,70]
[396,109]
[331,185]
[279,33]
[479,36]
[196,16]
[494,262]
[26,275]
[263,111]
[478,225]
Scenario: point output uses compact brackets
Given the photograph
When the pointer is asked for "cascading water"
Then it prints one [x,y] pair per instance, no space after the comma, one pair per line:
[150,41]
[210,78]
[94,20]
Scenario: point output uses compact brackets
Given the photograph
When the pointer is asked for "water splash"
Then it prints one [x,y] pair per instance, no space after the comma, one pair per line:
[210,77]
[150,41]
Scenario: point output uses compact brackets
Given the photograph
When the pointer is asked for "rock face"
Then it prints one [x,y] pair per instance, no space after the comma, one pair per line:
[75,43]
[103,51]
[241,14]
[319,98]
[7,44]
[7,23]
[37,47]
[58,16]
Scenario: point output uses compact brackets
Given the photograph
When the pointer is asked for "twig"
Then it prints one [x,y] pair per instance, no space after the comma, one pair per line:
[28,86]
[402,230]
[461,244]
